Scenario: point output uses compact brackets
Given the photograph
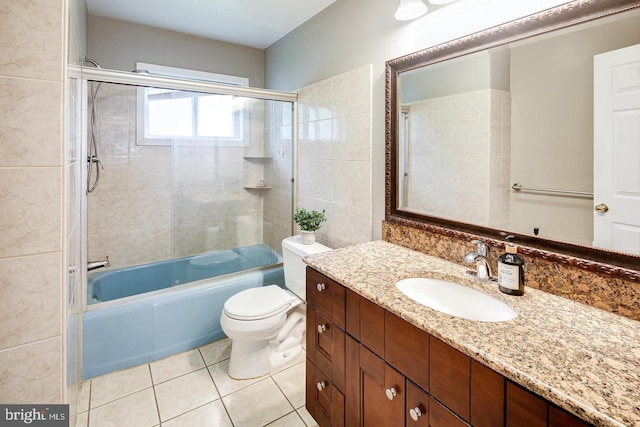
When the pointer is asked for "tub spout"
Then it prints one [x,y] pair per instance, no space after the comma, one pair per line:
[92,265]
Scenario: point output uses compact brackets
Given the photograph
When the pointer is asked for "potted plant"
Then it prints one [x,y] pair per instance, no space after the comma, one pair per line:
[309,222]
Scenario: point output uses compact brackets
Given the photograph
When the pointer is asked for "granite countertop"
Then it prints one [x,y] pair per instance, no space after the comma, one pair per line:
[581,358]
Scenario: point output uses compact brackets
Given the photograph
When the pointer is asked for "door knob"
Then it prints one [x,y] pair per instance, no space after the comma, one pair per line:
[391,393]
[601,208]
[322,328]
[320,287]
[321,385]
[415,413]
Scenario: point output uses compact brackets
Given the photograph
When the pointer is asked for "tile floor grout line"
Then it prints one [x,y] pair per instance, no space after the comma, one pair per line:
[89,404]
[285,415]
[121,397]
[282,391]
[219,395]
[155,396]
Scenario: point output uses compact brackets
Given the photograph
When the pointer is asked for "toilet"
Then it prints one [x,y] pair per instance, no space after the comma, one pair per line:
[266,324]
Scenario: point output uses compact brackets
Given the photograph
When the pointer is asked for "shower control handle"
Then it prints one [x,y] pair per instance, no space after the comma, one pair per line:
[322,328]
[321,287]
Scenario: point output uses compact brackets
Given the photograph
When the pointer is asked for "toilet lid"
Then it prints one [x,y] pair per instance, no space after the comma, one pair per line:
[258,303]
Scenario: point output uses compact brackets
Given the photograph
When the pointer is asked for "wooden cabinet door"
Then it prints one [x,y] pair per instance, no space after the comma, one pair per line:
[372,326]
[525,408]
[487,396]
[450,376]
[406,348]
[325,346]
[560,418]
[439,416]
[417,406]
[382,392]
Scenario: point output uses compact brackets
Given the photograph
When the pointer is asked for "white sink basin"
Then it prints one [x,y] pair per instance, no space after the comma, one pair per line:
[456,300]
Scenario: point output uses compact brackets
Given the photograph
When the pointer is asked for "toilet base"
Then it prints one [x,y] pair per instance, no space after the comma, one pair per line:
[251,359]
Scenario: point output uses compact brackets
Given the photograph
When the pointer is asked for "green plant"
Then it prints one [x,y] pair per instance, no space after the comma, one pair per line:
[309,220]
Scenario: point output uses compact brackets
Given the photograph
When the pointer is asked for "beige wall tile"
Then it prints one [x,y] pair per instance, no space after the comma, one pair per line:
[30,291]
[30,117]
[31,211]
[31,44]
[334,156]
[32,373]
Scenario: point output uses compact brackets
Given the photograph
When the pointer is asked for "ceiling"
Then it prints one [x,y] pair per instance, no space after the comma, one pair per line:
[255,23]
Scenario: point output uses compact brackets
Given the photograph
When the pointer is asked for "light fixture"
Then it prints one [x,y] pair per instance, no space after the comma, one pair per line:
[410,9]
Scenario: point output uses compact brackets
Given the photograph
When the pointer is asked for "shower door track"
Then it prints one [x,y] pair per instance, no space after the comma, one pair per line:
[122,77]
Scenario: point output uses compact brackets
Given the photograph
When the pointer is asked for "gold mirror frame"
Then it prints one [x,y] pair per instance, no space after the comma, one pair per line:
[604,262]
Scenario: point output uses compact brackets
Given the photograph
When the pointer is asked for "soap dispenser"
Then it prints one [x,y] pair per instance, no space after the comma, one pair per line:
[511,270]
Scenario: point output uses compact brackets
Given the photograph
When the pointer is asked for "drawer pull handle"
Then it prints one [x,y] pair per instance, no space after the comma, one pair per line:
[415,413]
[322,328]
[391,393]
[321,386]
[320,287]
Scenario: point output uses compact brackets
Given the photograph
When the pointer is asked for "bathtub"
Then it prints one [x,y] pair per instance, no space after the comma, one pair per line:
[139,314]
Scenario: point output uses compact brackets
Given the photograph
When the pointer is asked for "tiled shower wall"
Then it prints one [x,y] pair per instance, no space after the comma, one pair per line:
[32,172]
[334,155]
[156,202]
[458,157]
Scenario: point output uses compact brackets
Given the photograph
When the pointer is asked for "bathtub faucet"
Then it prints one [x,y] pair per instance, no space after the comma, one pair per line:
[92,265]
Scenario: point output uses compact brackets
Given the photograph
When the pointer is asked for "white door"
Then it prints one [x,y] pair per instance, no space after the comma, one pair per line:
[617,150]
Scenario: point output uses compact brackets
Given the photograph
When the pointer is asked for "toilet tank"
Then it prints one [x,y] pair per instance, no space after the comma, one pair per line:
[293,250]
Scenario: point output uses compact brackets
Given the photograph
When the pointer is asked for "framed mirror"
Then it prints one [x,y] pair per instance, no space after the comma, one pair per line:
[509,131]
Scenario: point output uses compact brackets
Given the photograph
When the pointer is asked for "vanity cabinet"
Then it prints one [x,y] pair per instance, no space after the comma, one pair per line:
[368,367]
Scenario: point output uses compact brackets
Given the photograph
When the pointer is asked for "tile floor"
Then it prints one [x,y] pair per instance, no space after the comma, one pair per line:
[193,389]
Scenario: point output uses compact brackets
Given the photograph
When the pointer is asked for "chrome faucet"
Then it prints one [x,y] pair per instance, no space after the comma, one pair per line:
[92,265]
[479,257]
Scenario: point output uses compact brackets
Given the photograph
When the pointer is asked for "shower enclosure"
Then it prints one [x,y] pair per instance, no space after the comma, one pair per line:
[194,196]
[185,172]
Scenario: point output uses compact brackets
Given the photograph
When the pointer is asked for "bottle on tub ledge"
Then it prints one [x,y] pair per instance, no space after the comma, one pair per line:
[511,270]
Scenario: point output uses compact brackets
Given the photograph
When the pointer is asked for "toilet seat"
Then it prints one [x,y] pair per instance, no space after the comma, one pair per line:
[258,303]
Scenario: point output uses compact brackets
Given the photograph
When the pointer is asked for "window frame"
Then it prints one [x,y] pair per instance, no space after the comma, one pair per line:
[142,107]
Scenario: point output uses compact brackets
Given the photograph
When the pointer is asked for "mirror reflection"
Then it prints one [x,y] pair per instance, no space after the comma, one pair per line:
[525,137]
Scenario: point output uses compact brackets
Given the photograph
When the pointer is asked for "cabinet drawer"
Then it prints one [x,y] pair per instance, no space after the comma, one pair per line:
[449,377]
[406,348]
[327,296]
[325,346]
[324,401]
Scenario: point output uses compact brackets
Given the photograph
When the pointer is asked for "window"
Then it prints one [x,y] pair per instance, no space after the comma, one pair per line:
[168,116]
